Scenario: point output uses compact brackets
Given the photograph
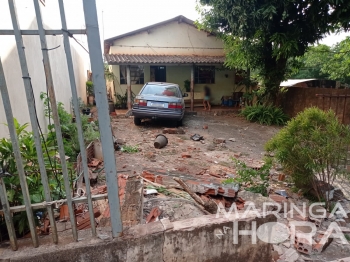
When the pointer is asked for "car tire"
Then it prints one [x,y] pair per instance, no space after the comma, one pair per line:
[179,123]
[137,121]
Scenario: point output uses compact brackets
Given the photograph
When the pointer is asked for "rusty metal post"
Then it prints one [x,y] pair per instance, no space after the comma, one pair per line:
[192,88]
[3,195]
[128,82]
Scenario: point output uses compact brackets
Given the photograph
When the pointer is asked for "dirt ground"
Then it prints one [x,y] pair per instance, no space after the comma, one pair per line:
[248,146]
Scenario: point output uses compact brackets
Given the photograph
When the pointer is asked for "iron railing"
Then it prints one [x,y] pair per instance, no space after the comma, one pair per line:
[95,53]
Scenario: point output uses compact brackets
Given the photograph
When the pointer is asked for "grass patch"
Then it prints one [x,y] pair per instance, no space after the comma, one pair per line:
[129,149]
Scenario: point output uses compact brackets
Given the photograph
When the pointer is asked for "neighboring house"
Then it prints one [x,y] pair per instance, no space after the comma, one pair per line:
[10,60]
[325,94]
[168,52]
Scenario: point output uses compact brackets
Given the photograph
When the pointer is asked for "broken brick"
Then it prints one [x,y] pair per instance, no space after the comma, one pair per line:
[319,247]
[94,162]
[238,154]
[153,215]
[186,155]
[179,131]
[303,245]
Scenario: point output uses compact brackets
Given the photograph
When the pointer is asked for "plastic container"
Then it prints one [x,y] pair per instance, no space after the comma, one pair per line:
[161,141]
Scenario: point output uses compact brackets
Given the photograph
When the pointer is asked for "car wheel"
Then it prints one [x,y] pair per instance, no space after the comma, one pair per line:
[179,123]
[137,121]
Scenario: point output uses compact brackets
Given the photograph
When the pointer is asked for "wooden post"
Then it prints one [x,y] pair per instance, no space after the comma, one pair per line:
[128,82]
[192,88]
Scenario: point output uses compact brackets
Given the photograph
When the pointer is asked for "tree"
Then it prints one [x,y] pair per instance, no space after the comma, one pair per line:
[263,35]
[338,64]
[324,62]
[312,63]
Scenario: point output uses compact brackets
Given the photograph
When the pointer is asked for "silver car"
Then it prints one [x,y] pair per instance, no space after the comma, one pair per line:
[159,101]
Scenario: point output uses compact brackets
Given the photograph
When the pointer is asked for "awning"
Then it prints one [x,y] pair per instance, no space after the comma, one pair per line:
[123,59]
[292,82]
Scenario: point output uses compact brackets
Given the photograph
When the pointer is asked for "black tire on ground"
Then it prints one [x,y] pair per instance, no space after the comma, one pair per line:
[137,121]
[179,123]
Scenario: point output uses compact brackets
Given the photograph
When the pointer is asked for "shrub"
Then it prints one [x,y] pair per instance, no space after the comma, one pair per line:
[32,170]
[311,149]
[265,115]
[253,180]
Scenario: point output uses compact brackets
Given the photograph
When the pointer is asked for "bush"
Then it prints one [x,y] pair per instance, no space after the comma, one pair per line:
[253,180]
[265,115]
[311,149]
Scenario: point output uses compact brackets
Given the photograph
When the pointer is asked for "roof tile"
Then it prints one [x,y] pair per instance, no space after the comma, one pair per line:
[119,59]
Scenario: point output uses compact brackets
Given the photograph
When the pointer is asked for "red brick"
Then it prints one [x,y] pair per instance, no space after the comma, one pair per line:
[186,155]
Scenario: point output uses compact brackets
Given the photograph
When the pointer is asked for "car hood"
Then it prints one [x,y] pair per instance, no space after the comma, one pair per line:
[169,99]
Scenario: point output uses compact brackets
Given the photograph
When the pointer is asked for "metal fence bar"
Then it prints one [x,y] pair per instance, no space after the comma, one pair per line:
[32,114]
[3,195]
[8,218]
[47,32]
[93,38]
[75,101]
[44,204]
[53,102]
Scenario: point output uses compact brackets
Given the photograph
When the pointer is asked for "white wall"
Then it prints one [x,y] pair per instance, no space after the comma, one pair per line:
[173,34]
[10,60]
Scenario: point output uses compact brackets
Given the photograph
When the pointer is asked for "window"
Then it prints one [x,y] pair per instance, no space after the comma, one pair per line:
[204,75]
[160,90]
[137,76]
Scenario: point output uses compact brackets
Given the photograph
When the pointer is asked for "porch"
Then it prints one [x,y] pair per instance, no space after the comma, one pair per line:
[133,71]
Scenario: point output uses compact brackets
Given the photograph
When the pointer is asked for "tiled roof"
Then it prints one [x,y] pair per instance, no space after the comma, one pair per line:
[120,59]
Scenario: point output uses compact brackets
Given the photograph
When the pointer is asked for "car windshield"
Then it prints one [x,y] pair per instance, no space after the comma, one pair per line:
[160,90]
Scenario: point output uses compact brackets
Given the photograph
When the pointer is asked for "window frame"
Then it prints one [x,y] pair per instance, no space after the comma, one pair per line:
[133,73]
[200,76]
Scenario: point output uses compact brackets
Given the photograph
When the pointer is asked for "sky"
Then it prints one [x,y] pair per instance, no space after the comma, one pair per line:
[124,16]
[117,17]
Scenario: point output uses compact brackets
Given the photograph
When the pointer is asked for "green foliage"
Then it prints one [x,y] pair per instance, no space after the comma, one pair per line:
[256,181]
[311,148]
[264,35]
[130,149]
[32,171]
[69,129]
[187,85]
[265,115]
[312,62]
[90,88]
[122,98]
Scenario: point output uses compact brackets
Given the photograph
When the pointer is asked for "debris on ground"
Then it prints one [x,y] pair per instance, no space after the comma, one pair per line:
[197,137]
[179,131]
[160,141]
[219,140]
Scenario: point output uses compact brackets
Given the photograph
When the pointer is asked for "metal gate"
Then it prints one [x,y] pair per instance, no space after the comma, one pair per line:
[95,53]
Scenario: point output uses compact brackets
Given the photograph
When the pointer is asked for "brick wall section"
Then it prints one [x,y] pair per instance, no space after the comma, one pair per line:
[297,99]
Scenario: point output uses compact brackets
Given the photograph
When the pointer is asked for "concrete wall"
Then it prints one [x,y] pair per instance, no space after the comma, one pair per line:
[192,240]
[297,99]
[178,74]
[10,60]
[173,34]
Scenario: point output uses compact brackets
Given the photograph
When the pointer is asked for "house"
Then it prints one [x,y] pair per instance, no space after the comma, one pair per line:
[326,94]
[10,59]
[173,51]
